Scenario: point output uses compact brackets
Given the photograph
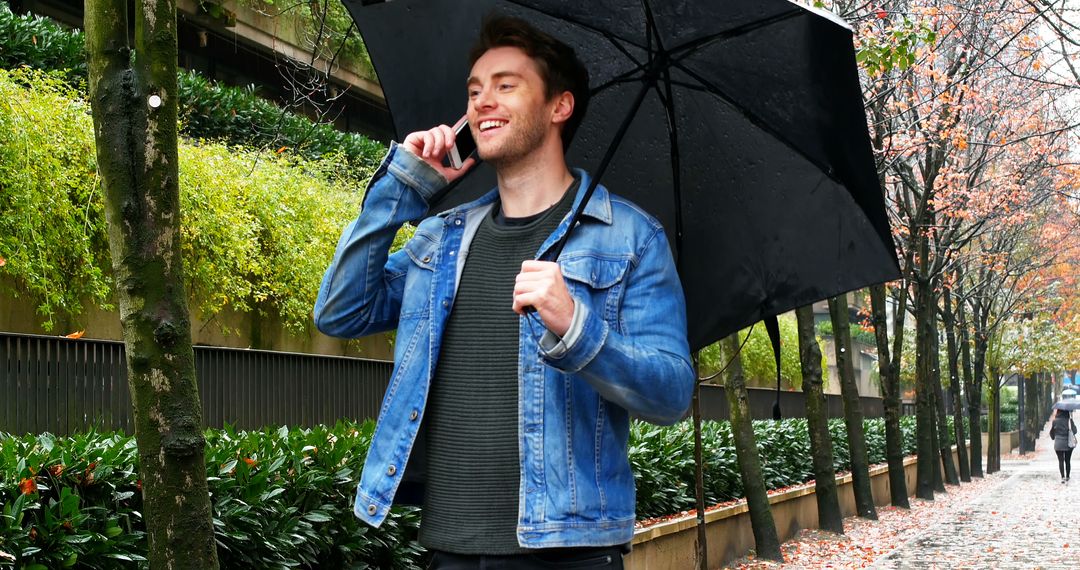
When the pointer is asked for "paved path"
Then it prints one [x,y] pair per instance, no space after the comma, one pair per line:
[1029,521]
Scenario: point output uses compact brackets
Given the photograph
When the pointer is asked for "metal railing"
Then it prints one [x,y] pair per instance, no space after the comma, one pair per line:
[59,385]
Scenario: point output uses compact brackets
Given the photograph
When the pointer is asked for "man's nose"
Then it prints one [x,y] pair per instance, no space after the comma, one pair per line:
[483,100]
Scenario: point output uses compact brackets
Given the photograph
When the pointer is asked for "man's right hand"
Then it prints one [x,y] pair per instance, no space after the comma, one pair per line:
[432,146]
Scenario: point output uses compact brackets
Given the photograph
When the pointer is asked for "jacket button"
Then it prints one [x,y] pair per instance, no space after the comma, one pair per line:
[446,303]
[427,258]
[371,510]
[391,470]
[457,222]
[415,414]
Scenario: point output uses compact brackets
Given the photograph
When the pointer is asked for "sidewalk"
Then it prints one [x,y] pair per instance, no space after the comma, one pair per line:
[1031,520]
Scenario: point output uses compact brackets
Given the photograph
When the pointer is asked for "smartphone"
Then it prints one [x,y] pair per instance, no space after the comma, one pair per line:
[464,144]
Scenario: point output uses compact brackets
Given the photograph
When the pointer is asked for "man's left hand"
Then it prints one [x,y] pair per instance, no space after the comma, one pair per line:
[540,285]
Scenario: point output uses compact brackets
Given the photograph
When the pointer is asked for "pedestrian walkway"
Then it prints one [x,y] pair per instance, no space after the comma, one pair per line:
[1029,521]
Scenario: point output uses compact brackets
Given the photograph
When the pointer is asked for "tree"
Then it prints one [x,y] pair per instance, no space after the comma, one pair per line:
[766,541]
[889,372]
[817,422]
[133,99]
[853,418]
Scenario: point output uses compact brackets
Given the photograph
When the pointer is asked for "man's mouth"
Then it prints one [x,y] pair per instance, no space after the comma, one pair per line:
[491,124]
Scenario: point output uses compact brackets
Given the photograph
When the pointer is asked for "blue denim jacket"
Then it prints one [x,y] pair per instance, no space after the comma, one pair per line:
[631,357]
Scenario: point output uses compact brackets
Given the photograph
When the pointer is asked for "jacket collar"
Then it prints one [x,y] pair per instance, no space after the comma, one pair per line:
[598,208]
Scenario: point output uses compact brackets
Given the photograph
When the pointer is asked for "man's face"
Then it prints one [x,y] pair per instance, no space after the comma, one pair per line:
[508,113]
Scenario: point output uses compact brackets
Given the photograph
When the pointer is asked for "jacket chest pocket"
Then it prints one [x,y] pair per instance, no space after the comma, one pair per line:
[422,250]
[596,280]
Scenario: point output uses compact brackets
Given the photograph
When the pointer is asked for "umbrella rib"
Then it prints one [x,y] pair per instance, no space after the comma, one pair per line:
[673,151]
[758,121]
[575,21]
[685,50]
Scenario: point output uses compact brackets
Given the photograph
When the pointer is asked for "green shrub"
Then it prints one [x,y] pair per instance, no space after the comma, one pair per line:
[858,334]
[40,43]
[237,115]
[662,459]
[207,110]
[756,356]
[258,227]
[282,498]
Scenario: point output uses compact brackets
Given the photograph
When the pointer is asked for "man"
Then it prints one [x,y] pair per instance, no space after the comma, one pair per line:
[524,373]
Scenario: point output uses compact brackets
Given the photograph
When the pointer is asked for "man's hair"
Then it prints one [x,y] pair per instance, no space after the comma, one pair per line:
[559,66]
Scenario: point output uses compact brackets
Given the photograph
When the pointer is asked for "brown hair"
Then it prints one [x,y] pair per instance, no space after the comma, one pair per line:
[559,66]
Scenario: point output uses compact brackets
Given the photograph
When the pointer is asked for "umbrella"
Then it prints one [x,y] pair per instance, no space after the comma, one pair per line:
[1067,405]
[1068,393]
[738,124]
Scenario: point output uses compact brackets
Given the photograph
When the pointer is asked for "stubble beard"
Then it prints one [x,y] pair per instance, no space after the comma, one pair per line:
[519,145]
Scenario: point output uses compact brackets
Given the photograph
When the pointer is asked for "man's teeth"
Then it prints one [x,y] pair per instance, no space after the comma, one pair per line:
[485,125]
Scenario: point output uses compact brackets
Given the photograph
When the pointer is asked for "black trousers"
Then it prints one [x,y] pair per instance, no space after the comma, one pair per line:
[564,558]
[1065,461]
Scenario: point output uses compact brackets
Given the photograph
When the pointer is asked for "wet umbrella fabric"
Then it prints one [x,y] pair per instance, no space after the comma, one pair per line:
[739,125]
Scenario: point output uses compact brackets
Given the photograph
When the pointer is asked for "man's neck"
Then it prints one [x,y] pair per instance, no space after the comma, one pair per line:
[534,184]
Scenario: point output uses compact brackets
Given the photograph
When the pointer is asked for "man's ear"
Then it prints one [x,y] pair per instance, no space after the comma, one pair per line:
[564,107]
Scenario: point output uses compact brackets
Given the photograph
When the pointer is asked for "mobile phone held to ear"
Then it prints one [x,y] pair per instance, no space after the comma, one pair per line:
[464,144]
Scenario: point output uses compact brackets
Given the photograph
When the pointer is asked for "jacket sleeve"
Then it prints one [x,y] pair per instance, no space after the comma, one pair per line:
[361,290]
[645,368]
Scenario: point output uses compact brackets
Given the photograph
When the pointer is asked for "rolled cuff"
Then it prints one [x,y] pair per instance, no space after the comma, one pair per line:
[583,341]
[414,172]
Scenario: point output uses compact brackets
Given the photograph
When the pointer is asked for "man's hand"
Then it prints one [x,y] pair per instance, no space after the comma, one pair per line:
[540,285]
[432,145]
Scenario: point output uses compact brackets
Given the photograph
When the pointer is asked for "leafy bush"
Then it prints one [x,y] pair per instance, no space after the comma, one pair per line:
[858,334]
[756,356]
[662,459]
[258,227]
[207,110]
[40,43]
[281,498]
[237,115]
[1009,422]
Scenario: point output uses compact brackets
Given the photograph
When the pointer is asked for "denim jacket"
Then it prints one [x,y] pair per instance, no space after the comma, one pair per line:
[630,358]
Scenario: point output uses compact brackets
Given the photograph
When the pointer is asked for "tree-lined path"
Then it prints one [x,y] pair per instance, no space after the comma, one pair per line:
[1030,520]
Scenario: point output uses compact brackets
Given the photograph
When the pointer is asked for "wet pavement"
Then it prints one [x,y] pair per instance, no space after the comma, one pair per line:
[1030,520]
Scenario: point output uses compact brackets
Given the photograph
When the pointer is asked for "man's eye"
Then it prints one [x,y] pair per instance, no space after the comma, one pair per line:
[505,86]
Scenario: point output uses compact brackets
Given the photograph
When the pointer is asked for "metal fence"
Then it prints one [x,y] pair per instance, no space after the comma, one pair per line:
[714,405]
[64,386]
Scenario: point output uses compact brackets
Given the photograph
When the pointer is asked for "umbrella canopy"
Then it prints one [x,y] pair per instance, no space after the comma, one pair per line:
[738,124]
[1068,393]
[1067,405]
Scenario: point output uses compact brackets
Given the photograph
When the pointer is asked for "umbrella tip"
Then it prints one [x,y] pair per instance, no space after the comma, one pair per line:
[776,411]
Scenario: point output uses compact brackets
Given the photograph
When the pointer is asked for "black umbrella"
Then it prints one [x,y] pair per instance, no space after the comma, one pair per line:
[738,124]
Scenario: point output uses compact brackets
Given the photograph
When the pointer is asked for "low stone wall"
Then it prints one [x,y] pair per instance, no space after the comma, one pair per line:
[671,545]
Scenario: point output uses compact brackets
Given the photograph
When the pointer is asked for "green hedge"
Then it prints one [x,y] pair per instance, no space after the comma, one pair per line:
[283,497]
[756,356]
[258,227]
[858,334]
[207,109]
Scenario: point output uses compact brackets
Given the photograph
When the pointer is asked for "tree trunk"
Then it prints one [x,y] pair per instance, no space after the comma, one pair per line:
[817,422]
[1032,411]
[766,541]
[954,387]
[133,99]
[890,384]
[973,385]
[942,424]
[993,447]
[924,392]
[853,418]
[939,482]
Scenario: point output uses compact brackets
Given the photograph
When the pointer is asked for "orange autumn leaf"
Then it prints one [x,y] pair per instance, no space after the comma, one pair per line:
[282,149]
[75,335]
[3,262]
[28,486]
[251,462]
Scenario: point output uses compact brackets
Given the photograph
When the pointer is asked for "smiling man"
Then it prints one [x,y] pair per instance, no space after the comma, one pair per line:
[514,380]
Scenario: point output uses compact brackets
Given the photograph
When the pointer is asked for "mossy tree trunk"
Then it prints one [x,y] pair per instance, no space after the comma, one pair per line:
[973,387]
[993,424]
[817,422]
[942,424]
[954,385]
[133,99]
[853,418]
[766,540]
[889,372]
[927,459]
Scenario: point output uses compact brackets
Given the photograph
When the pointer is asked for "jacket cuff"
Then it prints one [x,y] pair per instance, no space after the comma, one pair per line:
[583,347]
[414,172]
[556,347]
